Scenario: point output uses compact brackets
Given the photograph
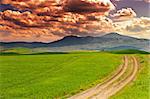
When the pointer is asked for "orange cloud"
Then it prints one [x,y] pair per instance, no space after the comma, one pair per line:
[49,20]
[88,6]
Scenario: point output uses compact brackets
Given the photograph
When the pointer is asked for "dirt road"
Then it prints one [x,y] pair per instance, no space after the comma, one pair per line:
[124,75]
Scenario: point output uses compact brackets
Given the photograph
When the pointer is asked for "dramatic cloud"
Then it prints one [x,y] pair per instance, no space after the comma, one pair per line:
[124,13]
[49,20]
[22,19]
[82,6]
[54,19]
[28,27]
[141,7]
[136,27]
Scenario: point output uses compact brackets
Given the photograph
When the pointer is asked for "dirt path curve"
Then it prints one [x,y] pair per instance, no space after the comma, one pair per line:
[124,75]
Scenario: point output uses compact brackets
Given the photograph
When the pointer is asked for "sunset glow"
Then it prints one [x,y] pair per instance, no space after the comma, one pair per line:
[49,20]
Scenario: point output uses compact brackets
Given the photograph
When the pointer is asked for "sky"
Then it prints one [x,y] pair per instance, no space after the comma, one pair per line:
[51,20]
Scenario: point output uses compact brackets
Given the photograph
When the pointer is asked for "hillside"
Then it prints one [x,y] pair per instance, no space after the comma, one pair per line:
[111,41]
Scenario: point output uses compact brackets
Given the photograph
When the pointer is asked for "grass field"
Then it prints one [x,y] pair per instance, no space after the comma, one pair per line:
[139,89]
[49,76]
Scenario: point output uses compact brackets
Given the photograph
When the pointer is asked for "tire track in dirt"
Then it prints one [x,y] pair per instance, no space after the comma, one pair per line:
[113,84]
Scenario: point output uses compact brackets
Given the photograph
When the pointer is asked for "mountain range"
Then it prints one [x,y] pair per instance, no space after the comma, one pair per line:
[111,41]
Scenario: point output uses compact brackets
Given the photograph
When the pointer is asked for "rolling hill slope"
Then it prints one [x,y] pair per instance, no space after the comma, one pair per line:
[111,41]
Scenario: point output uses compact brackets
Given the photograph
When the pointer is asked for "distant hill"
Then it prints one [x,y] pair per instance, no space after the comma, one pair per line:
[129,51]
[111,41]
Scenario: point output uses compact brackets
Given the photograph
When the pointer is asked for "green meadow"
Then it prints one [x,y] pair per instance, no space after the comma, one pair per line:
[25,74]
[53,75]
[139,88]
